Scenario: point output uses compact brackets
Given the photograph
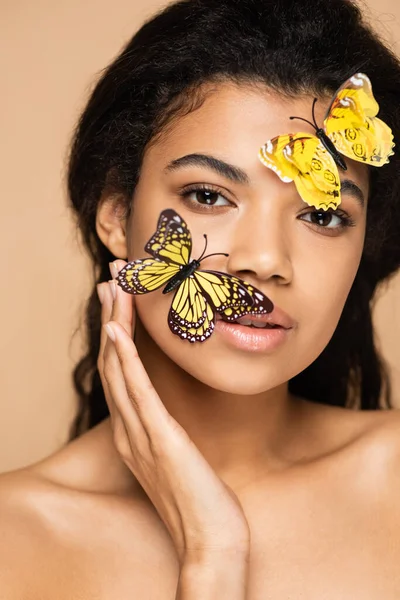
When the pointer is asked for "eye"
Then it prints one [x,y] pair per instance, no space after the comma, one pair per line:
[328,219]
[203,195]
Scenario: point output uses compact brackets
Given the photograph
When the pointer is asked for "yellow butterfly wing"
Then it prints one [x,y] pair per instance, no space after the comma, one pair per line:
[302,158]
[352,125]
[172,241]
[200,296]
[191,316]
[145,275]
[272,156]
[231,296]
[193,333]
[192,313]
[222,290]
[170,246]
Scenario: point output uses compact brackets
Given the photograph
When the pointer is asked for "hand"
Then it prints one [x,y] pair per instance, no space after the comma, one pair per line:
[202,514]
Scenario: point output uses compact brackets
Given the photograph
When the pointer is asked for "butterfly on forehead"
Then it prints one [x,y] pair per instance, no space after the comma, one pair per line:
[350,128]
[199,295]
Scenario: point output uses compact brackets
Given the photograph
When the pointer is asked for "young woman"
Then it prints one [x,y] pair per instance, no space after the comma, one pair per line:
[255,464]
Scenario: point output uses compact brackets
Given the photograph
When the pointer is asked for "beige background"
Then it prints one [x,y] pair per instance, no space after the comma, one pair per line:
[49,56]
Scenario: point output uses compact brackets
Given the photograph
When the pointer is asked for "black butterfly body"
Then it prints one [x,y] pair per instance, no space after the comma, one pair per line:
[179,277]
[199,294]
[330,146]
[324,139]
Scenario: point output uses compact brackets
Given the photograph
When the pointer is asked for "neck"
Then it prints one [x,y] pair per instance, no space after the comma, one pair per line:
[242,437]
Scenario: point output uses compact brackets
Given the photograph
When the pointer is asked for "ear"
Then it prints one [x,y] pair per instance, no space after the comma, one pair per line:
[111,224]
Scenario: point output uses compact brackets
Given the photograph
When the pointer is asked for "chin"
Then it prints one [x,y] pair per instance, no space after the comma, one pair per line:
[238,386]
[231,372]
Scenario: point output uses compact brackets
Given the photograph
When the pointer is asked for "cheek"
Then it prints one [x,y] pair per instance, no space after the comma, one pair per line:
[139,236]
[152,309]
[325,286]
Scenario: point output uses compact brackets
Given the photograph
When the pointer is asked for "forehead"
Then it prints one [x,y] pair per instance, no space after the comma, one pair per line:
[235,120]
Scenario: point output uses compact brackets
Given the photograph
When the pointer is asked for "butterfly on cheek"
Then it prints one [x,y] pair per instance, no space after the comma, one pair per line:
[351,128]
[199,295]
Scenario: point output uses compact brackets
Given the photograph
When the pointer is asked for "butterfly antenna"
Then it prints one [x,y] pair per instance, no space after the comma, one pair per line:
[313,112]
[202,257]
[214,254]
[205,247]
[305,121]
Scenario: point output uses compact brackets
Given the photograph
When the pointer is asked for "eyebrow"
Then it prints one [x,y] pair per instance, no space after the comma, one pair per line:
[349,187]
[237,174]
[215,164]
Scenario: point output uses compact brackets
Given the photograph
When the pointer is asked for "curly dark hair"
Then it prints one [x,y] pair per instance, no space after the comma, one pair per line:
[292,46]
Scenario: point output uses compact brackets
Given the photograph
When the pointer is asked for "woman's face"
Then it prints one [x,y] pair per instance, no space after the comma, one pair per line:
[304,260]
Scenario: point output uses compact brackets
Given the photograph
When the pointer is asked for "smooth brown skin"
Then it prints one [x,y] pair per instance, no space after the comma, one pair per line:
[317,485]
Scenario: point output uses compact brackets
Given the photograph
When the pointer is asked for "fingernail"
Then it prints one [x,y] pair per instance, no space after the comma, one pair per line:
[110,332]
[113,287]
[113,269]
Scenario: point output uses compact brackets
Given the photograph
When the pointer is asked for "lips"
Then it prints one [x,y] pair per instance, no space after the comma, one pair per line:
[274,319]
[249,322]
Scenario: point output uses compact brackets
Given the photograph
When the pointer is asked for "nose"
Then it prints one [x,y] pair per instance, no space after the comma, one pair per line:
[260,250]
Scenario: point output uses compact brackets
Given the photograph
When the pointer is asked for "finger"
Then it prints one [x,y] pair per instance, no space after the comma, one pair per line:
[140,398]
[119,400]
[121,311]
[108,361]
[106,300]
[108,355]
[107,351]
[123,308]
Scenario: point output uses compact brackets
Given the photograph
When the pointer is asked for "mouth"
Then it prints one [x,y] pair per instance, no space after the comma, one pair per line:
[249,322]
[254,333]
[277,319]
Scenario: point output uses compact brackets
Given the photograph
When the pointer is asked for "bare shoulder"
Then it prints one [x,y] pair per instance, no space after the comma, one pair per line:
[377,452]
[378,433]
[41,529]
[363,444]
[21,534]
[75,525]
[369,443]
[384,426]
[381,446]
